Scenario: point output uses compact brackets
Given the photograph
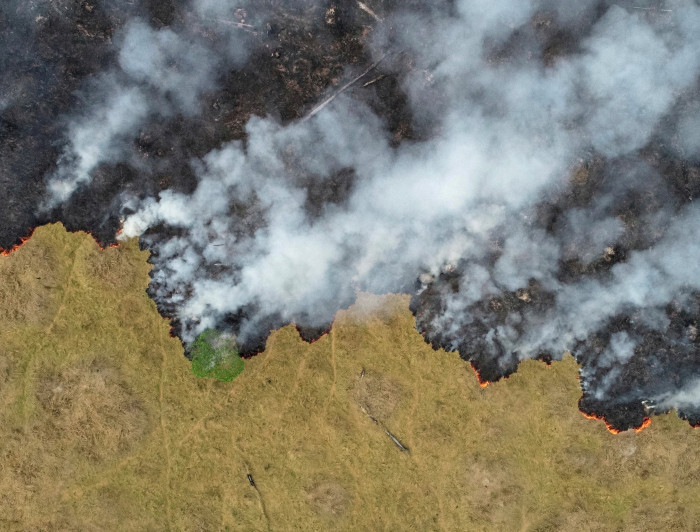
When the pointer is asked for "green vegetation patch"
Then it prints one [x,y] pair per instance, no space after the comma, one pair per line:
[214,355]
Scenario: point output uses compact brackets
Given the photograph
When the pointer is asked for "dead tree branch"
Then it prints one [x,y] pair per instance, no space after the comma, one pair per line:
[342,89]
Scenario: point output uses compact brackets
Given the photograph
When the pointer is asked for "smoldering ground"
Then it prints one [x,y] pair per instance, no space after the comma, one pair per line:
[527,170]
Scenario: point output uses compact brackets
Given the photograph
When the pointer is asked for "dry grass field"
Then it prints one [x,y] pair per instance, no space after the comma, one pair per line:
[104,427]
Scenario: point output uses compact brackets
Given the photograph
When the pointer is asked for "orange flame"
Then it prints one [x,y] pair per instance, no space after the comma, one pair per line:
[645,423]
[482,382]
[25,239]
[608,426]
[7,252]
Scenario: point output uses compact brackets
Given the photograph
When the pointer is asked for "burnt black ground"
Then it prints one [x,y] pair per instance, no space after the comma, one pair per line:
[53,50]
[661,361]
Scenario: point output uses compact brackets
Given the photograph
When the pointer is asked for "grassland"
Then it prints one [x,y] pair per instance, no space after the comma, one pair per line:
[104,427]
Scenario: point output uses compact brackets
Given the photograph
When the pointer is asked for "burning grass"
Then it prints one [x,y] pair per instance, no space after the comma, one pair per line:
[103,425]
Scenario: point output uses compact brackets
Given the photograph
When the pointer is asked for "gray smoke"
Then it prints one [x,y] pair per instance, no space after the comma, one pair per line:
[508,126]
[160,73]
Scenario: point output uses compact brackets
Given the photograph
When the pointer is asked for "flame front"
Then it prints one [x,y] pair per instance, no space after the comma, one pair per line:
[645,423]
[482,382]
[608,426]
[7,252]
[25,239]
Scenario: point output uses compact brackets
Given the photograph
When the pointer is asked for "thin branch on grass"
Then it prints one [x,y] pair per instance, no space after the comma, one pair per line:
[364,411]
[386,431]
[396,441]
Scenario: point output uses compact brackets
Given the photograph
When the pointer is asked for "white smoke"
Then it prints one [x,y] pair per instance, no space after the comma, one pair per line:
[505,140]
[689,133]
[686,397]
[101,138]
[160,72]
[507,131]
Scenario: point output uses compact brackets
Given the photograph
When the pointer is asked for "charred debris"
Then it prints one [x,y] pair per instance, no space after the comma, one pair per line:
[299,53]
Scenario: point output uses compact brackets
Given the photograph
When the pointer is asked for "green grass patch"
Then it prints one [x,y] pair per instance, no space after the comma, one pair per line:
[214,355]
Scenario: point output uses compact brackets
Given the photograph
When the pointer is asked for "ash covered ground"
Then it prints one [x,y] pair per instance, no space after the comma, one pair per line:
[526,170]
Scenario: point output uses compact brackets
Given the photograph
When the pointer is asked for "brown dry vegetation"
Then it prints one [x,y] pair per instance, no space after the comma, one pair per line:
[103,426]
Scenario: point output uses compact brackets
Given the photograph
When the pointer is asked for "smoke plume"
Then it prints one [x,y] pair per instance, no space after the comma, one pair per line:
[526,170]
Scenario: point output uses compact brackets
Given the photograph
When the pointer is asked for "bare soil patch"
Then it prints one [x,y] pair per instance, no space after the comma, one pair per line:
[328,498]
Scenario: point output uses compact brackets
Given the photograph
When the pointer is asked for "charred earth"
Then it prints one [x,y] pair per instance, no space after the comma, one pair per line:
[528,174]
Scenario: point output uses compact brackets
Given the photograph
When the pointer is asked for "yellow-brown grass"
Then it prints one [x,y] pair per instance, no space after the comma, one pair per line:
[103,426]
